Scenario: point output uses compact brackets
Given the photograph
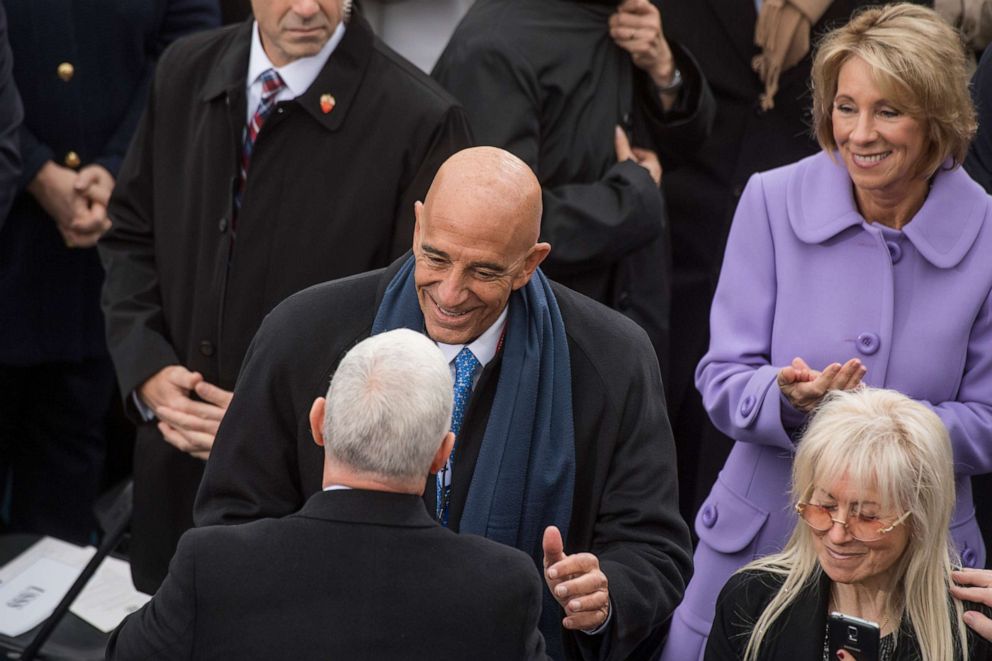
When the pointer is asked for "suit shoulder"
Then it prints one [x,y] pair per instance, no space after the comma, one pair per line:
[193,53]
[588,323]
[409,83]
[350,298]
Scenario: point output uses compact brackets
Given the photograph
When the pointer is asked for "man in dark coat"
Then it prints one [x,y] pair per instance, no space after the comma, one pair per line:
[565,425]
[349,575]
[83,71]
[216,220]
[702,195]
[550,82]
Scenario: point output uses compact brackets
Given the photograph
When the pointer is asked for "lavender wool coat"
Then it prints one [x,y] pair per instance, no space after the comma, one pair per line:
[805,275]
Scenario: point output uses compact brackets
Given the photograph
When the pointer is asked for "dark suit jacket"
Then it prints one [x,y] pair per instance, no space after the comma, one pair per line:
[798,634]
[353,575]
[11,113]
[328,195]
[264,462]
[50,294]
[544,80]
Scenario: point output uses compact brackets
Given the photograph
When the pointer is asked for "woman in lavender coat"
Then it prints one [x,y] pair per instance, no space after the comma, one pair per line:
[869,262]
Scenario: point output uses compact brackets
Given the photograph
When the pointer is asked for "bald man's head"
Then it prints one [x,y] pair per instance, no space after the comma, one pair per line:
[475,241]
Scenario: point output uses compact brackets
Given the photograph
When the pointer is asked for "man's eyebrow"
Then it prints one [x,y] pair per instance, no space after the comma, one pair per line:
[489,266]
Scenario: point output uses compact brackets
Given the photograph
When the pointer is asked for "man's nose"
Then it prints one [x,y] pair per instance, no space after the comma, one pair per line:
[306,8]
[450,291]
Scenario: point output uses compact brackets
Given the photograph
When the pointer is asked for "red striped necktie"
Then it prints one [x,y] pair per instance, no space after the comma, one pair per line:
[272,84]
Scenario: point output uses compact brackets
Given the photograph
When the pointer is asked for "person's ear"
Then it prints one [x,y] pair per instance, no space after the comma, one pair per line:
[317,420]
[441,456]
[418,212]
[537,254]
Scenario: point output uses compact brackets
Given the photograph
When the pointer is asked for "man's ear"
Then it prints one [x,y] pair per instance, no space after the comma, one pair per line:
[441,456]
[538,253]
[418,212]
[317,420]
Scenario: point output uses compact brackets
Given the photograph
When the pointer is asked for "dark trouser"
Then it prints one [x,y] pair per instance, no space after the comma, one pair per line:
[165,483]
[52,444]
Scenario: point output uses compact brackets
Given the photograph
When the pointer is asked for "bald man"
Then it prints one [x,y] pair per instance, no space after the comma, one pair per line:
[563,448]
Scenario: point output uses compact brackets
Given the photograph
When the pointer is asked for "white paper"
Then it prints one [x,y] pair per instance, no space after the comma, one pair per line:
[31,596]
[109,597]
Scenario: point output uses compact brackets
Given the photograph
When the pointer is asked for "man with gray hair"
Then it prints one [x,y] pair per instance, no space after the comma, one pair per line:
[342,577]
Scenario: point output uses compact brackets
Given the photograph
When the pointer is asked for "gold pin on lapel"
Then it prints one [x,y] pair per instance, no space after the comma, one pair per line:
[326,103]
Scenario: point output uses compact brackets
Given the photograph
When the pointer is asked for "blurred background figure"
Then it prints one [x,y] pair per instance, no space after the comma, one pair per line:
[872,485]
[754,131]
[83,71]
[551,82]
[863,263]
[416,29]
[11,114]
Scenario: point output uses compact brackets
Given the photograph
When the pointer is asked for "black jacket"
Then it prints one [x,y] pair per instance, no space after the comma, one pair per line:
[353,575]
[624,509]
[798,633]
[328,195]
[544,80]
[50,294]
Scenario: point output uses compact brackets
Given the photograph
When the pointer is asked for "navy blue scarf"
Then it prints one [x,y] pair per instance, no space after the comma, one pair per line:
[525,474]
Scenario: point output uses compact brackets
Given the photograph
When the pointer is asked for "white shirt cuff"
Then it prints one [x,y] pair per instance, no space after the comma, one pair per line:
[146,413]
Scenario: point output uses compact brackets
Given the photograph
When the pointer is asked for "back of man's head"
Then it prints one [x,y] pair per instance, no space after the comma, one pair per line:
[389,407]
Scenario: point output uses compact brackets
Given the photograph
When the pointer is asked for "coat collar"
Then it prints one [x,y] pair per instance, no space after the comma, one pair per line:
[373,507]
[820,203]
[341,77]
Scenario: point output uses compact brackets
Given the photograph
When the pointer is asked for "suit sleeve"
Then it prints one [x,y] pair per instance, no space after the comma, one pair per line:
[452,135]
[180,17]
[135,325]
[738,385]
[164,627]
[11,114]
[253,472]
[639,536]
[590,225]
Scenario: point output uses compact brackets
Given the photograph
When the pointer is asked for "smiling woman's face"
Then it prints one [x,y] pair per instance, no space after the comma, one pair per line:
[882,146]
[845,559]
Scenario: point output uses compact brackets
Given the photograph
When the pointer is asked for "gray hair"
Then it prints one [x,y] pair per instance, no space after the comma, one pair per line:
[389,406]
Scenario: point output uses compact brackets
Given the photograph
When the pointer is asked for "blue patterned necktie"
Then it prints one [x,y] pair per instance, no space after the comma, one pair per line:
[466,367]
[272,84]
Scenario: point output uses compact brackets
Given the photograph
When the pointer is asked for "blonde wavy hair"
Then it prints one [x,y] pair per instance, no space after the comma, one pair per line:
[879,439]
[919,64]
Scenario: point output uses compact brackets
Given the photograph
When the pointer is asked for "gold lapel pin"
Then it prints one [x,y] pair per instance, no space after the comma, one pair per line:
[326,103]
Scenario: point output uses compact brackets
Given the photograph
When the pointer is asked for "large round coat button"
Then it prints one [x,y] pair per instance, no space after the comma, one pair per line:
[895,251]
[65,71]
[868,343]
[709,516]
[968,557]
[207,348]
[72,160]
[747,405]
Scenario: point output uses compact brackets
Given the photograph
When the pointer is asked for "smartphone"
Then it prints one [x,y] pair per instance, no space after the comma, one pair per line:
[854,635]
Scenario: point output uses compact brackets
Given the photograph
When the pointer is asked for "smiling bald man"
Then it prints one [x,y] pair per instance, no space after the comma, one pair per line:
[563,447]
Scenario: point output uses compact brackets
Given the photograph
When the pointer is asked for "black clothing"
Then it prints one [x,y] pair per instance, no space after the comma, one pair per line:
[11,114]
[544,80]
[264,462]
[340,579]
[798,632]
[328,194]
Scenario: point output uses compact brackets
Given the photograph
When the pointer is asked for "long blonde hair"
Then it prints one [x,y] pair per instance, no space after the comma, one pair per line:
[883,440]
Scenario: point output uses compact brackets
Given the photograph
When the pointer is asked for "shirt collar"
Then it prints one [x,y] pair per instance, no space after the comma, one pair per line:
[483,347]
[298,74]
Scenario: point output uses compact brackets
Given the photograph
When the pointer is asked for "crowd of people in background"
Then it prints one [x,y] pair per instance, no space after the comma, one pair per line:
[704,287]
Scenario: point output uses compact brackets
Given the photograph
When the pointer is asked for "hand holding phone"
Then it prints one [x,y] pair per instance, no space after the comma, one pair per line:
[858,638]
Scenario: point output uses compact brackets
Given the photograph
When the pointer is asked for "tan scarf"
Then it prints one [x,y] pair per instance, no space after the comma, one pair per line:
[782,33]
